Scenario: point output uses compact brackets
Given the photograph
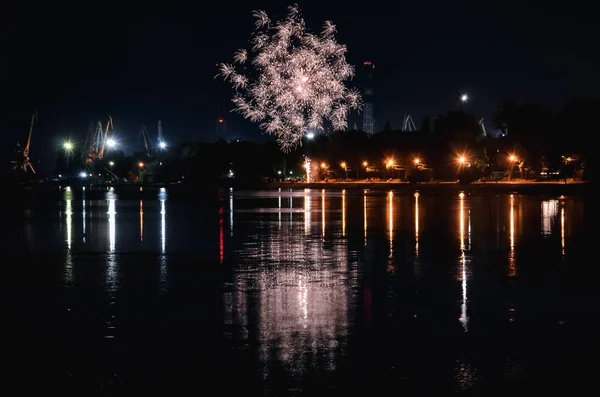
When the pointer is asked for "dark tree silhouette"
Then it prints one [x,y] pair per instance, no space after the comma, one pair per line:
[388,126]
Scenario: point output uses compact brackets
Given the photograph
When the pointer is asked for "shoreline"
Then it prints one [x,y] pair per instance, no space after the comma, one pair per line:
[502,187]
[551,188]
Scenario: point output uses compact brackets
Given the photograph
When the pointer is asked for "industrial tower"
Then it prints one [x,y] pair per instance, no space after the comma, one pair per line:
[221,119]
[368,93]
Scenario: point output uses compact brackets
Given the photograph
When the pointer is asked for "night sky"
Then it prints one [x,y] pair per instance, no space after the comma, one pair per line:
[150,61]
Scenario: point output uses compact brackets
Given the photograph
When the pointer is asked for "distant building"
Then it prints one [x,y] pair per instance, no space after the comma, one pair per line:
[368,94]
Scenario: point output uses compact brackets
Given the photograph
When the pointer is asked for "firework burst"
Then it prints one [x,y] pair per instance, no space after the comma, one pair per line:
[292,81]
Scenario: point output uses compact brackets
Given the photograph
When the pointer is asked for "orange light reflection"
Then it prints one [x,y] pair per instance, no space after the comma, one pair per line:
[391,221]
[344,213]
[141,221]
[562,230]
[464,319]
[417,269]
[365,215]
[512,269]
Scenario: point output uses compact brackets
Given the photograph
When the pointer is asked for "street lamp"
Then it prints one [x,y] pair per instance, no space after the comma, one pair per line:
[111,163]
[464,98]
[462,159]
[417,161]
[512,158]
[345,167]
[162,144]
[310,135]
[111,142]
[365,164]
[68,146]
[141,164]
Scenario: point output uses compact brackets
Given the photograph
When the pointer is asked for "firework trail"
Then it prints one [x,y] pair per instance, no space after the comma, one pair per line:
[292,81]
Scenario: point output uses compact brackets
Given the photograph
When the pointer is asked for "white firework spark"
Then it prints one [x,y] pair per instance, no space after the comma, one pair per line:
[292,81]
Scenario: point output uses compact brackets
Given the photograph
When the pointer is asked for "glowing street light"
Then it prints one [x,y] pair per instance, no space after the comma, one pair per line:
[417,161]
[111,143]
[141,164]
[111,163]
[310,135]
[462,159]
[512,158]
[464,98]
[68,146]
[389,163]
[324,166]
[345,167]
[162,144]
[365,164]
[83,174]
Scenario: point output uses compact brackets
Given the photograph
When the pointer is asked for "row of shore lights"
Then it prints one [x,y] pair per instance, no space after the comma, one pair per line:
[390,162]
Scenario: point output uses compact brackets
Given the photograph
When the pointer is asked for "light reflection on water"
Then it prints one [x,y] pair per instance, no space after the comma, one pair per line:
[512,266]
[465,259]
[549,214]
[417,269]
[323,222]
[365,215]
[296,288]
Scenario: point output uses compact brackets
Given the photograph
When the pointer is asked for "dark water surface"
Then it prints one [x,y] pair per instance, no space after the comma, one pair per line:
[301,292]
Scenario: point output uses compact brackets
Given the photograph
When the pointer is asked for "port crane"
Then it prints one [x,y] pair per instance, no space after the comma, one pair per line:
[408,124]
[22,162]
[152,149]
[96,141]
[484,133]
[145,136]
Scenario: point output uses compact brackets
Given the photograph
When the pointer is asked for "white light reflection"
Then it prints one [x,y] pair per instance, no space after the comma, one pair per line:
[464,319]
[293,295]
[83,215]
[512,267]
[323,214]
[549,214]
[307,211]
[303,301]
[163,226]
[303,291]
[231,211]
[163,241]
[111,225]
[69,220]
[69,237]
[344,213]
[279,206]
